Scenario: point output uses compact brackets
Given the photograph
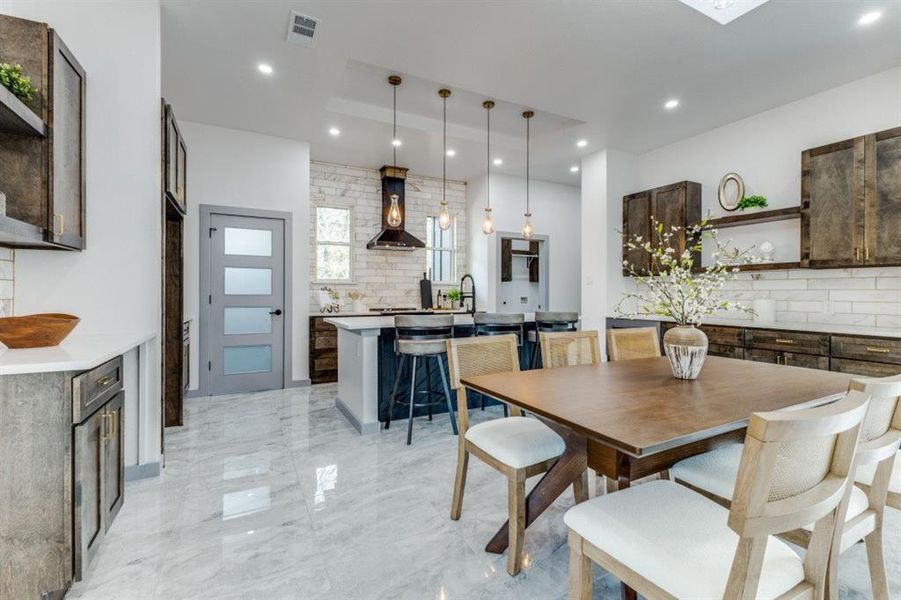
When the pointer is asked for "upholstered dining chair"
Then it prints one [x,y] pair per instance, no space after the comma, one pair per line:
[866,473]
[795,469]
[714,474]
[569,348]
[517,446]
[633,342]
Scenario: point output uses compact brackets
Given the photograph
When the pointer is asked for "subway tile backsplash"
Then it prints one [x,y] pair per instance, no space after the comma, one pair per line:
[867,296]
[7,281]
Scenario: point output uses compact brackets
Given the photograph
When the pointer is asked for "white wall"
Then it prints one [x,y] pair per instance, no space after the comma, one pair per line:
[248,170]
[114,284]
[555,213]
[765,150]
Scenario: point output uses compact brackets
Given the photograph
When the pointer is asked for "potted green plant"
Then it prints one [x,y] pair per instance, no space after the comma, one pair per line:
[453,295]
[678,289]
[20,85]
[752,202]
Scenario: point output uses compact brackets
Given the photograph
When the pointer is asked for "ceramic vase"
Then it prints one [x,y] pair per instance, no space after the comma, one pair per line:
[686,349]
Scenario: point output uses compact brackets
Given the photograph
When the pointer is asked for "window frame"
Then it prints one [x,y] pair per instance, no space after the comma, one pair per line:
[317,243]
[430,222]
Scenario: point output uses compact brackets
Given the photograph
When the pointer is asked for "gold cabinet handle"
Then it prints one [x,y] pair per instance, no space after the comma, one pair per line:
[878,350]
[866,254]
[105,381]
[114,423]
[857,254]
[62,223]
[784,341]
[106,428]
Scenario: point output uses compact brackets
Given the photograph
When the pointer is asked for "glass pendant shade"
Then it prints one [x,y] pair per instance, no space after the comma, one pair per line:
[488,223]
[527,227]
[394,219]
[444,218]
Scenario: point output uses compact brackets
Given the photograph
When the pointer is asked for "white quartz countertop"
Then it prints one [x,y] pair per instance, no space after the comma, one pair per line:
[787,326]
[76,353]
[386,322]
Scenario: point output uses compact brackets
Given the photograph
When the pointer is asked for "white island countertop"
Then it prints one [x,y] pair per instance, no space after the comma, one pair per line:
[387,322]
[833,328]
[76,353]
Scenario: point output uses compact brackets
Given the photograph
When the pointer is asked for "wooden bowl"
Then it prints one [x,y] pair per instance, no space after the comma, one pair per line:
[36,331]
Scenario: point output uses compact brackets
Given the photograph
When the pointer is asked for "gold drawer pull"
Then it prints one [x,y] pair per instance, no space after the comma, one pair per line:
[62,223]
[105,381]
[106,427]
[784,341]
[878,350]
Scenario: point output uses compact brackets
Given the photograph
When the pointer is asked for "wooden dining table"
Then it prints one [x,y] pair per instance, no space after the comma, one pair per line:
[630,419]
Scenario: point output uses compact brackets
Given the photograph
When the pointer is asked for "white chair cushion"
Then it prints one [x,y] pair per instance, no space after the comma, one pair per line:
[716,471]
[677,539]
[516,441]
[865,474]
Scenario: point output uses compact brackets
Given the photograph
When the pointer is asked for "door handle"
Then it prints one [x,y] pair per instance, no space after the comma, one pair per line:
[277,312]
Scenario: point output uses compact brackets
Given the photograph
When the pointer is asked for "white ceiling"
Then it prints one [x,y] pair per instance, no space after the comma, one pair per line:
[598,70]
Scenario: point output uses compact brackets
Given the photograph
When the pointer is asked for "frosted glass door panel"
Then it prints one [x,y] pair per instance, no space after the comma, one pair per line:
[247,319]
[247,359]
[241,281]
[248,242]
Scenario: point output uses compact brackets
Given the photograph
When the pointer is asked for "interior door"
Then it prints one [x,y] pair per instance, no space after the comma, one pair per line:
[246,302]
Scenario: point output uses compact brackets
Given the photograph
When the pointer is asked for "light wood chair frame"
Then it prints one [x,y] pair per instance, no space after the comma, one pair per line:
[866,527]
[753,516]
[547,339]
[651,333]
[516,478]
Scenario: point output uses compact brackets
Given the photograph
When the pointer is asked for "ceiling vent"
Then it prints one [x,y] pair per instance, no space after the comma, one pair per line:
[301,28]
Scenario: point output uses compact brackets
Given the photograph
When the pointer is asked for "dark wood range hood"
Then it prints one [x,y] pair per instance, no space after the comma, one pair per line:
[394,237]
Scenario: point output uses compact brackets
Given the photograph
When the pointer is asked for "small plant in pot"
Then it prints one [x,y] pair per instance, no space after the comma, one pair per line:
[453,295]
[675,288]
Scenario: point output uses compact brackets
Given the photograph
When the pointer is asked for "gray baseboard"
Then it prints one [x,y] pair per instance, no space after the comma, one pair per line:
[134,472]
[360,427]
[299,383]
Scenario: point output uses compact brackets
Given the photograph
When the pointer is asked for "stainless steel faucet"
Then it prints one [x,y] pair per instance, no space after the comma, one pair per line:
[471,294]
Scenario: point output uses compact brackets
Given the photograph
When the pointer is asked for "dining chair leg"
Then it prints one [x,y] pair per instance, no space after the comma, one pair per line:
[876,561]
[580,574]
[459,480]
[428,387]
[397,378]
[580,487]
[447,396]
[516,500]
[412,400]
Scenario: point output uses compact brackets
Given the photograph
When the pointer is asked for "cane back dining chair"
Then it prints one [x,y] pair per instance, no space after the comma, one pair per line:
[569,348]
[633,342]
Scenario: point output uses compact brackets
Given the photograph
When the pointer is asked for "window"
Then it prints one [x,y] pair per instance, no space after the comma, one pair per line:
[334,228]
[440,251]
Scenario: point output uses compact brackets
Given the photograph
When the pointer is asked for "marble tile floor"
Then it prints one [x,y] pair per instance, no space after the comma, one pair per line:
[274,495]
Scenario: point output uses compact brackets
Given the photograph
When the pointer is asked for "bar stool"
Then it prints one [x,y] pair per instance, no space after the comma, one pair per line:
[548,322]
[421,337]
[486,324]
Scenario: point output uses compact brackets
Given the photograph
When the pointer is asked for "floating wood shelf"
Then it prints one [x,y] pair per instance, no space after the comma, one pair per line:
[764,216]
[17,118]
[773,266]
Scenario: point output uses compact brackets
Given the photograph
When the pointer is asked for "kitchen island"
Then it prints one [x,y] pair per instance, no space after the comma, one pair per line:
[367,368]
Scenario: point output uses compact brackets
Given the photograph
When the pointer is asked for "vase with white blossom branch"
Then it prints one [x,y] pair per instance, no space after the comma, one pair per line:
[673,286]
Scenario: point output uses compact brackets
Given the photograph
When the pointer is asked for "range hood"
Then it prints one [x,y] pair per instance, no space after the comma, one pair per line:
[394,237]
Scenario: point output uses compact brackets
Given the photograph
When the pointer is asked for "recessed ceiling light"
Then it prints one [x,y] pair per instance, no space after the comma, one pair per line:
[870,17]
[582,143]
[396,142]
[265,69]
[574,169]
[671,104]
[498,161]
[451,152]
[334,131]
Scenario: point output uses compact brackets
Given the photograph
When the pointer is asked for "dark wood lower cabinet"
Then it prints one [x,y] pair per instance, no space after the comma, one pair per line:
[791,359]
[726,351]
[868,368]
[323,351]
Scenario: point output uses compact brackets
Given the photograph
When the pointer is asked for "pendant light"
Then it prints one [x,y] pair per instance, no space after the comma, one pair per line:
[444,218]
[527,224]
[488,224]
[394,218]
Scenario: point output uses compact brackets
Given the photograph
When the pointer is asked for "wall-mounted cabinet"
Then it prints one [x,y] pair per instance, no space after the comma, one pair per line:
[175,162]
[674,205]
[851,202]
[42,142]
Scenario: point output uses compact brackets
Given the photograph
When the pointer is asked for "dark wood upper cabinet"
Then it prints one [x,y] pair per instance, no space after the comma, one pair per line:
[43,174]
[674,205]
[851,202]
[175,162]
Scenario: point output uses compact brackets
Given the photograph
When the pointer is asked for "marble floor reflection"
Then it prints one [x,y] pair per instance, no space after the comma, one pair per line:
[274,495]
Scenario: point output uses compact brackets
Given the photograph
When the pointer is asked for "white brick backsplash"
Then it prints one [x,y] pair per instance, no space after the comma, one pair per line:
[7,283]
[859,296]
[385,278]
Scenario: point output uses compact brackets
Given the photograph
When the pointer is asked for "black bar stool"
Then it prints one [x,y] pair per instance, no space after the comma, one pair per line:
[498,324]
[421,337]
[548,321]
